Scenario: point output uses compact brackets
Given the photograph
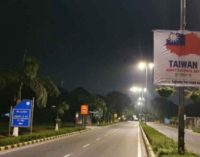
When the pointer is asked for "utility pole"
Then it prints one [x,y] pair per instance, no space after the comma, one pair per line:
[181,126]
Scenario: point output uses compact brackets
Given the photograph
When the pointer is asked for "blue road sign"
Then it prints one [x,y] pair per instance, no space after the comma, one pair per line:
[21,114]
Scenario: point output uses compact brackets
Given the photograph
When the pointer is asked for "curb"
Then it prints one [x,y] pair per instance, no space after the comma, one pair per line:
[149,149]
[40,140]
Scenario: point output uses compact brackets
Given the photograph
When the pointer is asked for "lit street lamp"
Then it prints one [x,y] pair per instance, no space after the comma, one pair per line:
[145,66]
[141,99]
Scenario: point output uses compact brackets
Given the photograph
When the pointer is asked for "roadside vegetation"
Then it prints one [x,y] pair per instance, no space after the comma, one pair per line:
[162,145]
[54,107]
[39,133]
[197,130]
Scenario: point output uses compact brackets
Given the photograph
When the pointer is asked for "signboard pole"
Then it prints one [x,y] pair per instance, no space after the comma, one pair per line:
[181,126]
[83,120]
[82,116]
[10,120]
[84,113]
[32,111]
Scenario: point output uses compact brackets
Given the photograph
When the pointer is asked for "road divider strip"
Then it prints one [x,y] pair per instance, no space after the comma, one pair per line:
[3,148]
[139,144]
[148,147]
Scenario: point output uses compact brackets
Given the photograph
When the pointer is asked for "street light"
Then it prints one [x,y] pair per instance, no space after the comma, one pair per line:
[145,66]
[136,89]
[141,99]
[142,65]
[139,103]
[151,65]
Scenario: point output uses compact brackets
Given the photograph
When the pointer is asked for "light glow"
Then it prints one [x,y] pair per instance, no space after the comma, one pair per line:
[151,65]
[142,65]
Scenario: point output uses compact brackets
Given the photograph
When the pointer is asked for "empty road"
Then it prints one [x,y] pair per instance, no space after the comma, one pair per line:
[121,140]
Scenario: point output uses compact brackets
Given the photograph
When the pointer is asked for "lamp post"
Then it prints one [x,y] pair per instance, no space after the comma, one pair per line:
[140,90]
[145,66]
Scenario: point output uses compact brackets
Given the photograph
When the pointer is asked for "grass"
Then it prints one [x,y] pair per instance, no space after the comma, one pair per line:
[39,131]
[196,130]
[162,145]
[36,128]
[37,135]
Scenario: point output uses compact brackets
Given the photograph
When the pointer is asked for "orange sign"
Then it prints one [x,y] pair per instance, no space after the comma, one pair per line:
[84,109]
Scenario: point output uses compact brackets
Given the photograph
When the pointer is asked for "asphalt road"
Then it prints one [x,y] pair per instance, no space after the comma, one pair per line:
[121,140]
[192,140]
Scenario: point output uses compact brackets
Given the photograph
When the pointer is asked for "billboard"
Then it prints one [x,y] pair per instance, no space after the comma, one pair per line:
[177,58]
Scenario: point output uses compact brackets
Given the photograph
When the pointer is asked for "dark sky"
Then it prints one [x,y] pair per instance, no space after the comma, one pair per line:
[91,43]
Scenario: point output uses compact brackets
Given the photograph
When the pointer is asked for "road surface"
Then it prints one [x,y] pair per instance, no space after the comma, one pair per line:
[121,140]
[192,140]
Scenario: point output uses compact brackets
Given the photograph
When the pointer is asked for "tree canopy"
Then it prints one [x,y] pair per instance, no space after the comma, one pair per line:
[27,76]
[165,91]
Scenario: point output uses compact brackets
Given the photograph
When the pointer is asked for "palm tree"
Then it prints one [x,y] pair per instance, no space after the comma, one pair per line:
[28,76]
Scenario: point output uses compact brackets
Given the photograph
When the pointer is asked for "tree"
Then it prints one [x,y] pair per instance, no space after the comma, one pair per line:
[27,76]
[76,98]
[98,105]
[193,108]
[194,95]
[60,109]
[165,91]
[128,112]
[117,102]
[162,107]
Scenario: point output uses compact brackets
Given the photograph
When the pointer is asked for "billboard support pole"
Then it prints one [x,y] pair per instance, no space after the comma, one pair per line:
[181,125]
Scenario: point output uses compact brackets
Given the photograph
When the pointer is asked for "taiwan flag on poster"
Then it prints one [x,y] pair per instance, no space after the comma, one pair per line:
[183,44]
[177,58]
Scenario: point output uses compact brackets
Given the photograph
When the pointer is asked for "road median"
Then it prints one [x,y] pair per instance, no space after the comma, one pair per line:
[161,145]
[148,147]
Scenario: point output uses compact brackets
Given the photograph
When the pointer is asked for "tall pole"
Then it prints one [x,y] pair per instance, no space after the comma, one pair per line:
[183,15]
[146,84]
[32,112]
[10,121]
[181,143]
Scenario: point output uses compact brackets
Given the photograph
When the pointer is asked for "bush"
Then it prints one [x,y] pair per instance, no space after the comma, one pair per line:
[162,145]
[28,137]
[196,130]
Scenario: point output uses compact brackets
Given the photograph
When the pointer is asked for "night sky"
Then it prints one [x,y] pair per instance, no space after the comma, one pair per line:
[95,44]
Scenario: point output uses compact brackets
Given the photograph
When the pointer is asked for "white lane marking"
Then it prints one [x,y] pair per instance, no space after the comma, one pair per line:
[86,145]
[139,144]
[67,155]
[38,144]
[98,139]
[115,131]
